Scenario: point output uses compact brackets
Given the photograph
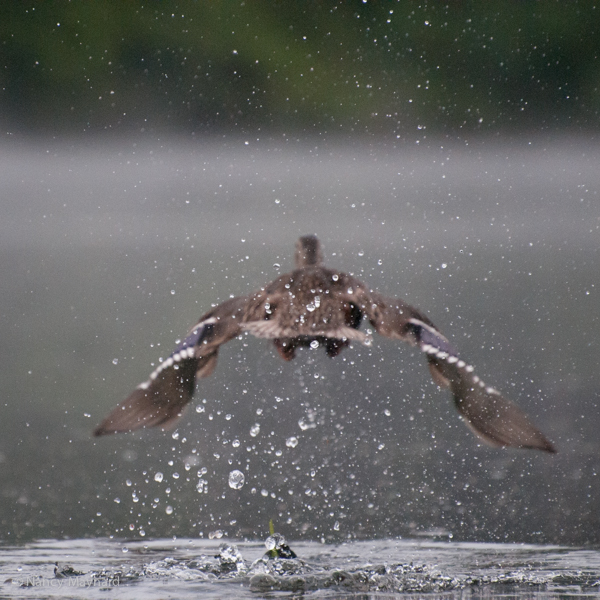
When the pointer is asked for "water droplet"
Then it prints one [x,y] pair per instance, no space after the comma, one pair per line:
[236,479]
[291,442]
[215,535]
[255,430]
[275,542]
[172,292]
[175,475]
[230,556]
[169,510]
[307,423]
[336,526]
[314,344]
[235,443]
[158,477]
[115,361]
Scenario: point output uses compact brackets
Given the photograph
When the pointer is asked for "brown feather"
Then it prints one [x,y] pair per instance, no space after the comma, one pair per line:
[159,404]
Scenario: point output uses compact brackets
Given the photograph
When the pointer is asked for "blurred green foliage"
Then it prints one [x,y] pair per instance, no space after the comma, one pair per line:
[319,66]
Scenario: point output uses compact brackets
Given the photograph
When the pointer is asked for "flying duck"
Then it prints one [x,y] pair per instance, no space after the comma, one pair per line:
[315,306]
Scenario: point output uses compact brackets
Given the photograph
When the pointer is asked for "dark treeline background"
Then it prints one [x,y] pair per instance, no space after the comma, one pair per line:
[326,67]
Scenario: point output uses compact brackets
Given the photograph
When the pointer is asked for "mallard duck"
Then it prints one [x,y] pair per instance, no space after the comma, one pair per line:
[315,306]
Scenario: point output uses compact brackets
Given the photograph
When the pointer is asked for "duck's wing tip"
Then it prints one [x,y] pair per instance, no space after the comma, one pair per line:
[142,409]
[161,400]
[495,419]
[498,421]
[157,402]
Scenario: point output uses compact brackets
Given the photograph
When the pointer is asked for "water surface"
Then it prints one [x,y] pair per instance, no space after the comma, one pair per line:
[216,569]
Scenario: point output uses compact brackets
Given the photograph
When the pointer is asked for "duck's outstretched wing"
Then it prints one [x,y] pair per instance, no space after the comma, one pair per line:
[498,421]
[160,400]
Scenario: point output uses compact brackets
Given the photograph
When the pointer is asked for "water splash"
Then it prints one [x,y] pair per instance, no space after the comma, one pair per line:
[236,480]
[449,571]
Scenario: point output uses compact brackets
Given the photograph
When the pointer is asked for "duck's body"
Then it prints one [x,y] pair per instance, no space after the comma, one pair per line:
[315,306]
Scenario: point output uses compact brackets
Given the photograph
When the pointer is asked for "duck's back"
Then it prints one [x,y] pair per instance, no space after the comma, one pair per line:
[312,302]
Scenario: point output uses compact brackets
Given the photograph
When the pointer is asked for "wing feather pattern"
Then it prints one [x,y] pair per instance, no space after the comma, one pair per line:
[161,399]
[495,419]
